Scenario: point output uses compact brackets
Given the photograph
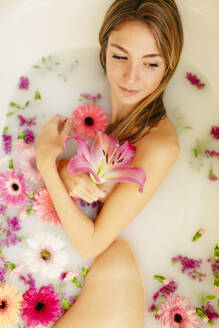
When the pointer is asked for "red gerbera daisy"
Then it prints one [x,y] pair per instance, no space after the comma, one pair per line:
[40,306]
[88,120]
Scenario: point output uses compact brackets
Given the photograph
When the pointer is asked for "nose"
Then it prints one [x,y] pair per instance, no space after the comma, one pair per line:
[131,74]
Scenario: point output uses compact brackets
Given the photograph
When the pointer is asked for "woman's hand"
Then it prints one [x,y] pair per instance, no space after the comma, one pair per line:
[80,185]
[51,139]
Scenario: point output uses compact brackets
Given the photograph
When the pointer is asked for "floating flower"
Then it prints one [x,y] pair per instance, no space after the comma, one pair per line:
[106,160]
[194,80]
[24,83]
[27,164]
[212,153]
[28,122]
[210,311]
[190,266]
[211,175]
[46,254]
[13,188]
[10,304]
[88,120]
[40,306]
[176,312]
[44,208]
[90,97]
[67,276]
[215,132]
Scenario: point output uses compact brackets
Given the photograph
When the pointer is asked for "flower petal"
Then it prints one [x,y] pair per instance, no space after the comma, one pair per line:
[125,153]
[78,165]
[127,174]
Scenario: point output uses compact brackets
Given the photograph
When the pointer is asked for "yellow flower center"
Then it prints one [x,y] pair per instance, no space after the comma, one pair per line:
[45,255]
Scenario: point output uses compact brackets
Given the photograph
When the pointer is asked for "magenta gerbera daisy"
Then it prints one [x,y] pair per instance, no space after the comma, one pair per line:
[44,208]
[88,120]
[13,188]
[40,306]
[176,312]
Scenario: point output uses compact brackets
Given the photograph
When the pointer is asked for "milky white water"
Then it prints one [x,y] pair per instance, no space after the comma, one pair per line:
[186,200]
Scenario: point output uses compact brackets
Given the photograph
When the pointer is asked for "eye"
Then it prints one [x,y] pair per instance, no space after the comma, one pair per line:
[119,57]
[151,65]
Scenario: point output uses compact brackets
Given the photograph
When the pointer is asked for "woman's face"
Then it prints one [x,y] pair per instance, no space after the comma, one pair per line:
[133,62]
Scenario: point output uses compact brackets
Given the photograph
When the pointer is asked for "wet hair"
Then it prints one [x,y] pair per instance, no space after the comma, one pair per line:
[163,19]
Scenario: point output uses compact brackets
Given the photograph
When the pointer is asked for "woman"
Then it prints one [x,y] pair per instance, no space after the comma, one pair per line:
[141,43]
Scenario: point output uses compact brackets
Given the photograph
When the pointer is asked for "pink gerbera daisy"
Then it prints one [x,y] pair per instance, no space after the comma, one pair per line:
[176,312]
[88,120]
[44,208]
[13,188]
[40,306]
[27,164]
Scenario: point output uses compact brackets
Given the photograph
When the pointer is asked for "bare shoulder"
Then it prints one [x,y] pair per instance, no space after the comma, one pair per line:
[161,139]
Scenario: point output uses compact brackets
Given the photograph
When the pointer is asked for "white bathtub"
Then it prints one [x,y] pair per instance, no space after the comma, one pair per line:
[186,200]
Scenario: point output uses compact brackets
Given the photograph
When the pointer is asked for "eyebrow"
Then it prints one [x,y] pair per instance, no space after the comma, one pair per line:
[123,49]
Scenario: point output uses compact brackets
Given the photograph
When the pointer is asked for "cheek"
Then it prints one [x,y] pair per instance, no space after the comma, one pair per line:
[113,71]
[153,79]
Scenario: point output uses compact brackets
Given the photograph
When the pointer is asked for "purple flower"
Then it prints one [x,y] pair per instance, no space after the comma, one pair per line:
[210,311]
[29,136]
[24,121]
[2,209]
[215,131]
[194,80]
[211,175]
[190,266]
[24,83]
[212,153]
[6,143]
[166,290]
[13,224]
[28,281]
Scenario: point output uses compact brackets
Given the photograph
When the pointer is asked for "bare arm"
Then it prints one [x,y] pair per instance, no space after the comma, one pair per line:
[89,238]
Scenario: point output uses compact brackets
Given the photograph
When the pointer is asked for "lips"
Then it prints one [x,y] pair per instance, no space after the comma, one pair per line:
[128,91]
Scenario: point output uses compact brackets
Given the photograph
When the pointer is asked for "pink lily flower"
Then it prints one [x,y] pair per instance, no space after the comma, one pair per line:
[106,160]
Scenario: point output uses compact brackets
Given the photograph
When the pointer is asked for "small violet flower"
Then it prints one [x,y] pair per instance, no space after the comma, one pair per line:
[28,122]
[24,83]
[106,160]
[212,153]
[215,132]
[190,266]
[194,80]
[7,141]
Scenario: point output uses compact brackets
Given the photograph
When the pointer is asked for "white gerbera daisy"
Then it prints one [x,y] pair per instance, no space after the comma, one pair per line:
[46,254]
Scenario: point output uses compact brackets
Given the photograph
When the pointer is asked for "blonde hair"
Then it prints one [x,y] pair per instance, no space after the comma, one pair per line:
[162,17]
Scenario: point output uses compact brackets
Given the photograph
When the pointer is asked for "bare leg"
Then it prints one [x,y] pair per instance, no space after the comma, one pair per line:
[112,295]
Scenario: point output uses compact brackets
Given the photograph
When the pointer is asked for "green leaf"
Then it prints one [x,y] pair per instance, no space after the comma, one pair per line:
[216,280]
[5,130]
[14,105]
[210,323]
[44,60]
[27,103]
[195,151]
[30,211]
[76,282]
[155,310]
[202,300]
[22,136]
[36,66]
[10,114]
[187,127]
[10,265]
[200,313]
[30,195]
[196,236]
[37,96]
[84,272]
[216,251]
[11,164]
[211,297]
[159,278]
[65,303]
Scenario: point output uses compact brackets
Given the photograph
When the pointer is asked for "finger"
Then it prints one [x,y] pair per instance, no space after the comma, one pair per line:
[85,196]
[95,191]
[66,128]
